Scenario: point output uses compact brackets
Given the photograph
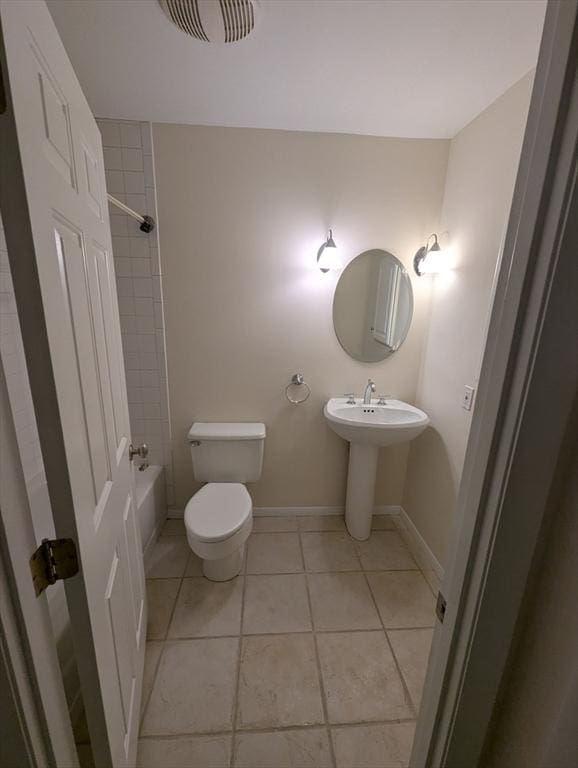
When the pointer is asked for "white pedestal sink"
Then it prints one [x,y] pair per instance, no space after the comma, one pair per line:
[368,428]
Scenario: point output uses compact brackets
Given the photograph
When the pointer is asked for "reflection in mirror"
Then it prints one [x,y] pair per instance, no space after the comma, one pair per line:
[373,306]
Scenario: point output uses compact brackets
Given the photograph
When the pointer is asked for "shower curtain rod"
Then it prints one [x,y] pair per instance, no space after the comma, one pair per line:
[147,223]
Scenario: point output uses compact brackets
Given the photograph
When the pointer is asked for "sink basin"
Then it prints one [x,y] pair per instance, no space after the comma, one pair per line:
[368,428]
[379,425]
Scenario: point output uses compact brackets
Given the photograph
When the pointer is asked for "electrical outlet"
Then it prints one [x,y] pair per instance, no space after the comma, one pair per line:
[468,398]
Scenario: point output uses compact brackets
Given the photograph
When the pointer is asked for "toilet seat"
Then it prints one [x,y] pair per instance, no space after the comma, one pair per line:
[217,512]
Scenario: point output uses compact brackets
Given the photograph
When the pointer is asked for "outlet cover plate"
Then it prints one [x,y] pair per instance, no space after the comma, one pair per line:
[468,398]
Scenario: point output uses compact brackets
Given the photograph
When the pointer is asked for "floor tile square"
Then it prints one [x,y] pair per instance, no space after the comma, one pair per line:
[383,523]
[404,599]
[207,608]
[194,688]
[373,746]
[306,748]
[274,553]
[360,679]
[276,604]
[278,683]
[385,551]
[194,566]
[411,648]
[168,558]
[329,551]
[152,655]
[161,596]
[341,601]
[274,524]
[201,751]
[321,523]
[173,527]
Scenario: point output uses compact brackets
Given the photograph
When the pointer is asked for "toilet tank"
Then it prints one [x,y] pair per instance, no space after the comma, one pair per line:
[227,452]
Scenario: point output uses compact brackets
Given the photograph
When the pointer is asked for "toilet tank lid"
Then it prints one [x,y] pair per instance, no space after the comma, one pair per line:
[226,431]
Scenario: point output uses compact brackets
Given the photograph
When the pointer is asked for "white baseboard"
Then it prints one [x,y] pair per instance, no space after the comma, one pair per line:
[388,509]
[391,509]
[418,545]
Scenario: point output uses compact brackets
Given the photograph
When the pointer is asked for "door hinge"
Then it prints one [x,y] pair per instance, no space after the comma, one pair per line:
[441,606]
[55,559]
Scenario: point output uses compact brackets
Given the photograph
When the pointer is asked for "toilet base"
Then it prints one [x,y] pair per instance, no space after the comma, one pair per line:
[225,568]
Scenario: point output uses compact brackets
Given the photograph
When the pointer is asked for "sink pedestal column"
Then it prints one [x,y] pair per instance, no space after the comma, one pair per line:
[360,489]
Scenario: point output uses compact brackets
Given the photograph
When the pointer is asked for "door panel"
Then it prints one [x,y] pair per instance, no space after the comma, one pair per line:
[74,356]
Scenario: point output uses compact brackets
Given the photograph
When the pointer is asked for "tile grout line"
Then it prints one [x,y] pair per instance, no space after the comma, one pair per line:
[275,729]
[164,643]
[229,636]
[390,646]
[243,574]
[317,658]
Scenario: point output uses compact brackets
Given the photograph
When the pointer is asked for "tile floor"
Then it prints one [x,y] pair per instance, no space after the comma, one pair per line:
[314,656]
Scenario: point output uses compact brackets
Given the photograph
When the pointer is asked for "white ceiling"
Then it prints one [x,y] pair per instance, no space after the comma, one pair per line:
[415,68]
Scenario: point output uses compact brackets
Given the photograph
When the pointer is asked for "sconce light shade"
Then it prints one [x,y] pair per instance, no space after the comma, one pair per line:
[430,259]
[328,256]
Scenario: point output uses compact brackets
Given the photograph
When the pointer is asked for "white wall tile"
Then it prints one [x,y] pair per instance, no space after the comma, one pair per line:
[148,361]
[120,248]
[129,167]
[115,182]
[145,324]
[124,286]
[134,183]
[122,267]
[112,158]
[150,379]
[130,134]
[146,138]
[138,203]
[142,286]
[143,306]
[141,268]
[132,159]
[139,248]
[126,305]
[110,132]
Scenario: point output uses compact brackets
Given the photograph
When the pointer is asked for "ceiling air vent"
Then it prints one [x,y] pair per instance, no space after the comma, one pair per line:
[213,21]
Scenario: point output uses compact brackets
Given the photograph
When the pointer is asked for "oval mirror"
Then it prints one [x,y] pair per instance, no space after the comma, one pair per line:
[372,306]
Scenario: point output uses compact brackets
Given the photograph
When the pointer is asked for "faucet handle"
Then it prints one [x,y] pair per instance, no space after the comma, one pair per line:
[371,383]
[350,398]
[381,399]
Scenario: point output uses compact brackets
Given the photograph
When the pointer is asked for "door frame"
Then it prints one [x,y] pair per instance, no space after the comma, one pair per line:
[511,465]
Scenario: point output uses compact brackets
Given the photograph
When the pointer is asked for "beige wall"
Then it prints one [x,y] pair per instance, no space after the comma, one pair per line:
[241,215]
[482,166]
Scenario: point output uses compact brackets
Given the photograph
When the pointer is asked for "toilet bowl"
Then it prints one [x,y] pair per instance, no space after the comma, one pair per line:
[218,521]
[219,517]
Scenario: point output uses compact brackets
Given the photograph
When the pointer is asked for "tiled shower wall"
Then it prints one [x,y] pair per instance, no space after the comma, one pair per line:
[129,167]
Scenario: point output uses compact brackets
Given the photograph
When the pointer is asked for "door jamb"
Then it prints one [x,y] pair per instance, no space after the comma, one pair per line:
[514,441]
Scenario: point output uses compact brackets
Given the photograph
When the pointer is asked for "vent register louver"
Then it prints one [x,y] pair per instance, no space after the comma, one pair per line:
[213,21]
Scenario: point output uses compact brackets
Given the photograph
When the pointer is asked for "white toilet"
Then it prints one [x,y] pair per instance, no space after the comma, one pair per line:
[219,517]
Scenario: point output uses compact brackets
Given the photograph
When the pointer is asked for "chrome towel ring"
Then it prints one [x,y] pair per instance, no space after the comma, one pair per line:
[297,380]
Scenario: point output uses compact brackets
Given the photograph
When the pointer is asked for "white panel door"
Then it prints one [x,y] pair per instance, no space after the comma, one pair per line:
[58,234]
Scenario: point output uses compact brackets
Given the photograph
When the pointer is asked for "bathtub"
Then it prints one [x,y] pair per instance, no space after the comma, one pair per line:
[151,505]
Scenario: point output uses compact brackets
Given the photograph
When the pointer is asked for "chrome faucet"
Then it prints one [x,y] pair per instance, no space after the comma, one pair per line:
[368,391]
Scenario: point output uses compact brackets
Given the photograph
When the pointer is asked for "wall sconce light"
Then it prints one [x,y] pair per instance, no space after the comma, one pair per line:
[430,259]
[328,255]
